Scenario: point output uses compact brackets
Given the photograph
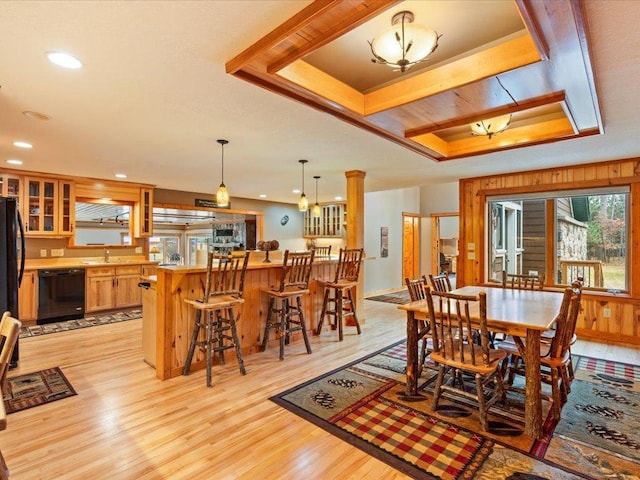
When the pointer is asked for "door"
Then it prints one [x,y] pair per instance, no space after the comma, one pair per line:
[445,230]
[410,245]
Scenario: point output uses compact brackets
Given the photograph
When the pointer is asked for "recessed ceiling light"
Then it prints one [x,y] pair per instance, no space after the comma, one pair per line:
[121,175]
[297,190]
[35,115]
[22,144]
[262,195]
[14,161]
[64,60]
[338,198]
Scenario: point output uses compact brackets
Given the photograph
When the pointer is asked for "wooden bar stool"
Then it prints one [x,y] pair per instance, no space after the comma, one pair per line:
[285,315]
[215,312]
[338,294]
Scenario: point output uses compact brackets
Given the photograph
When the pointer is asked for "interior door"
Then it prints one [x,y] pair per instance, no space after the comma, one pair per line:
[445,229]
[410,245]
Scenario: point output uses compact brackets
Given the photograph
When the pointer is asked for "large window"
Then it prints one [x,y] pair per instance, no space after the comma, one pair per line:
[589,237]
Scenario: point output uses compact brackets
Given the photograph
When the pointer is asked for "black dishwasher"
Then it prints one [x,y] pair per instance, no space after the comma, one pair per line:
[60,294]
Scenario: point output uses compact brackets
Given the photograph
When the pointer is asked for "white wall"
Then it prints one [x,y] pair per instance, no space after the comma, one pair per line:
[384,209]
[290,235]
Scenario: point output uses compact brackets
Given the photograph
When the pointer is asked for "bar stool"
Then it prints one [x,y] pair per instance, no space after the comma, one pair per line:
[285,315]
[215,312]
[339,292]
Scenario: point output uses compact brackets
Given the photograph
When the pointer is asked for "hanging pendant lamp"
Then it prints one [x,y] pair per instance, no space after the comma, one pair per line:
[303,203]
[222,195]
[316,211]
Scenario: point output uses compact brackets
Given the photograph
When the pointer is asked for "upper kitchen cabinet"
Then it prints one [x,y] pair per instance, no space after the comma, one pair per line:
[143,226]
[10,186]
[48,207]
[330,223]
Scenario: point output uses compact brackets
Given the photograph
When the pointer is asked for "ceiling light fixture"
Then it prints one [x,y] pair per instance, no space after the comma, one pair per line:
[20,144]
[64,60]
[303,203]
[491,126]
[222,195]
[121,175]
[404,44]
[36,115]
[14,161]
[316,211]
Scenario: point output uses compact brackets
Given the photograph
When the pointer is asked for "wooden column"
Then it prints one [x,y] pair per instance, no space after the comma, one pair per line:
[355,226]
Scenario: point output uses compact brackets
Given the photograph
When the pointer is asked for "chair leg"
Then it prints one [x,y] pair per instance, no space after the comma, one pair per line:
[192,345]
[323,312]
[209,346]
[555,393]
[339,312]
[570,368]
[284,326]
[267,326]
[353,309]
[236,341]
[437,392]
[307,344]
[219,326]
[482,404]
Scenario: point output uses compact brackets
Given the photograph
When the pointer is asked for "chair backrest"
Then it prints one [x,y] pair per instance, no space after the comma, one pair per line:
[440,282]
[322,251]
[452,329]
[9,331]
[229,274]
[522,281]
[565,324]
[349,264]
[296,270]
[417,288]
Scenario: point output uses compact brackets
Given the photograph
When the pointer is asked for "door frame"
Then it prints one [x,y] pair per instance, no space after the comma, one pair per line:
[435,238]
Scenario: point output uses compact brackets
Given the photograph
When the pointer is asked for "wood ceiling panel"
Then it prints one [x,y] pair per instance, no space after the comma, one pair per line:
[552,56]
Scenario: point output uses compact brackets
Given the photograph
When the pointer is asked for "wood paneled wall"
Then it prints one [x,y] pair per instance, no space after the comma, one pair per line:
[622,326]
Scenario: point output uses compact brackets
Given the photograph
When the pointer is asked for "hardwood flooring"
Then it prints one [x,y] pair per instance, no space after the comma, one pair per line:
[125,424]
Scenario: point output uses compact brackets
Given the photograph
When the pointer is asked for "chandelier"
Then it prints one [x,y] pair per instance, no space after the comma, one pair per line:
[404,44]
[303,203]
[222,195]
[491,126]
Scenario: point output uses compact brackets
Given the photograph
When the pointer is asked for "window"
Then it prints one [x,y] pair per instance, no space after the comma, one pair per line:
[589,240]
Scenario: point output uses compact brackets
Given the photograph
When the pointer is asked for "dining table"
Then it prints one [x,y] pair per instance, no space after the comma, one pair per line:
[520,313]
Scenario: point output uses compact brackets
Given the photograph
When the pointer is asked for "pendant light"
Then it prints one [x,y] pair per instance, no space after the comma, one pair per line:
[222,195]
[303,203]
[316,211]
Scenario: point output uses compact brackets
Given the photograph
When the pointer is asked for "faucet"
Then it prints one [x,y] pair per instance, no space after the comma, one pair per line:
[106,256]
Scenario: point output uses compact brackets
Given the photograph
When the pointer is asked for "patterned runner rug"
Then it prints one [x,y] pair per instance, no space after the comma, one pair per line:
[360,403]
[87,321]
[37,388]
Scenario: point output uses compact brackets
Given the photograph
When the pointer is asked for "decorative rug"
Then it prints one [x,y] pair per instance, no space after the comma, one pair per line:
[37,388]
[401,297]
[87,321]
[360,403]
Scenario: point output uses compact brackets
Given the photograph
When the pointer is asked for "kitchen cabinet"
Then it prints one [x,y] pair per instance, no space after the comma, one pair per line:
[49,207]
[148,270]
[10,186]
[330,223]
[28,296]
[143,226]
[112,287]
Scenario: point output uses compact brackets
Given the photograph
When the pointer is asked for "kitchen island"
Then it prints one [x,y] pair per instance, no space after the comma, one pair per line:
[174,319]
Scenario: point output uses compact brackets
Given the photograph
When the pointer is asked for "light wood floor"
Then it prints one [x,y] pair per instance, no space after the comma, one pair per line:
[126,424]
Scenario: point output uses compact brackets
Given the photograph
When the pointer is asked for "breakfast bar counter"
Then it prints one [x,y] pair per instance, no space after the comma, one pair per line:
[175,319]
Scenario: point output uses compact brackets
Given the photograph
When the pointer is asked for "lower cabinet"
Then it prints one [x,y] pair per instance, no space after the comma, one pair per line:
[28,296]
[112,287]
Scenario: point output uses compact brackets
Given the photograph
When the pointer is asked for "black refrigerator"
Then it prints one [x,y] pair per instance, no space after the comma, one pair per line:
[12,253]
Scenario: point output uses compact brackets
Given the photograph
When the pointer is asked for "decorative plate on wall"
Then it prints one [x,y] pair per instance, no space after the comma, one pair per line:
[284,220]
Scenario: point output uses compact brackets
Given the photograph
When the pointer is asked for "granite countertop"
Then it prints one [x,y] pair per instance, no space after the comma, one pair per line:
[84,262]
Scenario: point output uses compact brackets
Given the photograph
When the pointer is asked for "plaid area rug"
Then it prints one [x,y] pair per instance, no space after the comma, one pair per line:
[37,388]
[361,404]
[401,297]
[87,321]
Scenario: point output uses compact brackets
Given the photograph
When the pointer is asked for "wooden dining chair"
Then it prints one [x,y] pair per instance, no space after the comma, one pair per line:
[554,356]
[522,281]
[9,332]
[451,323]
[338,295]
[214,312]
[440,282]
[285,312]
[417,288]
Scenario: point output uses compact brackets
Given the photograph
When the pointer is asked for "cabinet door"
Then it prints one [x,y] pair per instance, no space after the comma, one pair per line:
[127,291]
[10,186]
[100,294]
[41,206]
[143,226]
[28,296]
[149,270]
[66,207]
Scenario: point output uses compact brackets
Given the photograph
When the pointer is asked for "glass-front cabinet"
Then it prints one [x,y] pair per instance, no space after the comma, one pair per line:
[41,206]
[67,209]
[330,223]
[10,186]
